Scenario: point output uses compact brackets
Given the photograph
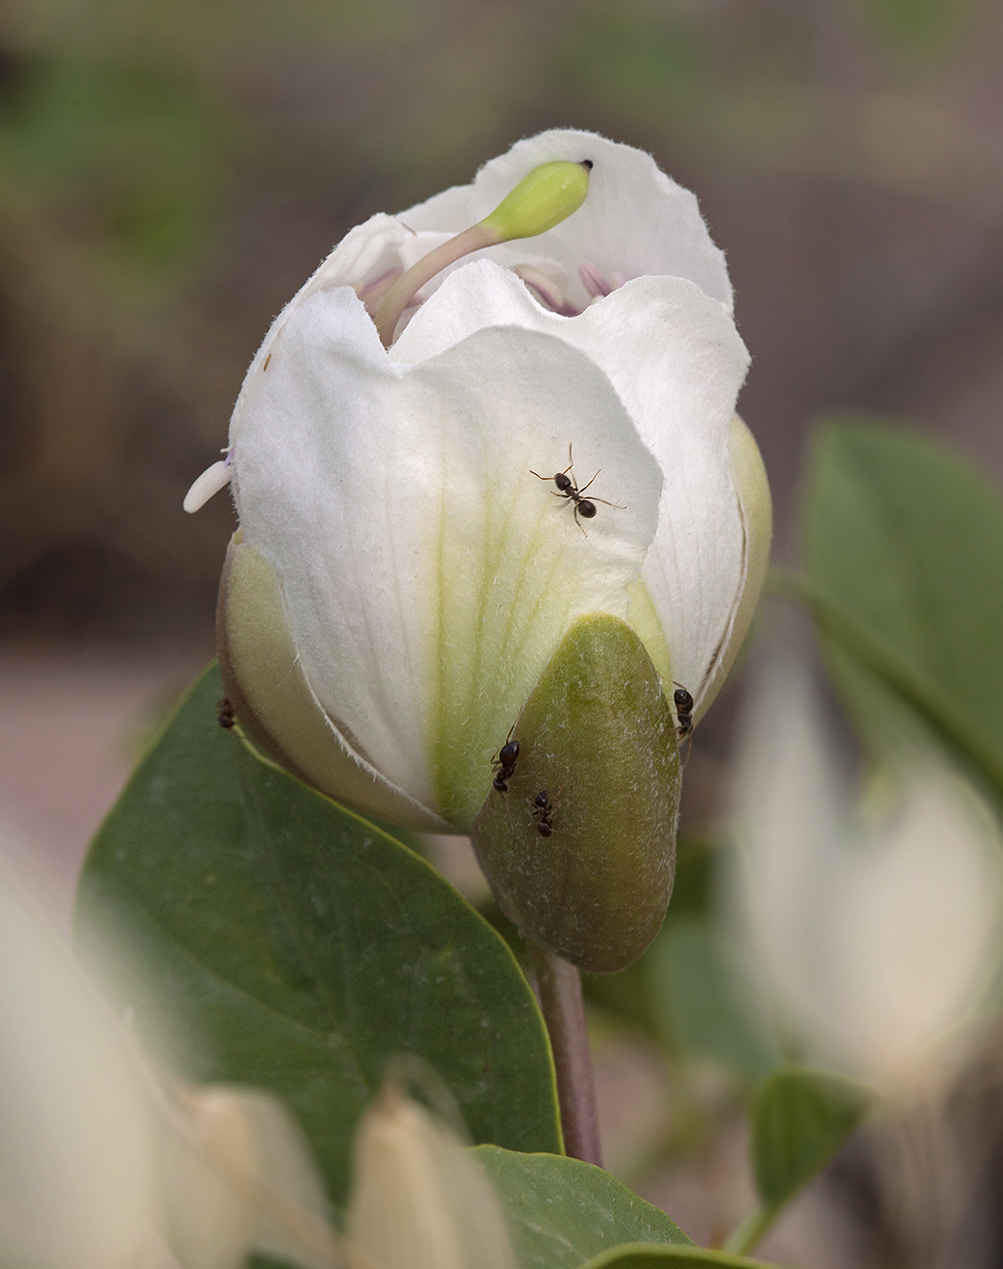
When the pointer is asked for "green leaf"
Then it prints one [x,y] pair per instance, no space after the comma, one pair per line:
[562,1211]
[800,1119]
[282,942]
[691,994]
[639,1256]
[904,554]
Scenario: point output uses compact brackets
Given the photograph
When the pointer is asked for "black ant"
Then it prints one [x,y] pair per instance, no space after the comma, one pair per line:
[504,764]
[567,488]
[225,711]
[542,807]
[684,711]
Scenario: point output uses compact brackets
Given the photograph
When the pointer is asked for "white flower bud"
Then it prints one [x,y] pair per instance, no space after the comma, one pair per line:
[419,1199]
[422,524]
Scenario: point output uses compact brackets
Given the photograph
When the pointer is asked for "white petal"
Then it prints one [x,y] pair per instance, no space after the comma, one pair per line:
[446,212]
[264,677]
[920,920]
[77,1141]
[239,1176]
[635,221]
[677,363]
[428,573]
[379,246]
[212,480]
[419,1199]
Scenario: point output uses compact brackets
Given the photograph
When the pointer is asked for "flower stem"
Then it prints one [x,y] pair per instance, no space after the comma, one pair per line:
[751,1231]
[560,988]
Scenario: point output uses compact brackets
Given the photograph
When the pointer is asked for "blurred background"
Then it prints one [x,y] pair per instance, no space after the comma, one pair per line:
[170,174]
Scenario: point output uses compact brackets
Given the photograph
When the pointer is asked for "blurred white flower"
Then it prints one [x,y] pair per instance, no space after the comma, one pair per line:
[78,1184]
[872,927]
[419,1199]
[401,577]
[103,1167]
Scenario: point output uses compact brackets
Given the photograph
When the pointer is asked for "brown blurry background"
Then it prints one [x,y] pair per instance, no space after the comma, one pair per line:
[170,174]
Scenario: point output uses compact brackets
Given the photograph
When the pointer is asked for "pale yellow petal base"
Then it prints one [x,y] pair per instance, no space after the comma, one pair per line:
[272,698]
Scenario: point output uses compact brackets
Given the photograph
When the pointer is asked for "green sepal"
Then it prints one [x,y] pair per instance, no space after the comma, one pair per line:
[598,737]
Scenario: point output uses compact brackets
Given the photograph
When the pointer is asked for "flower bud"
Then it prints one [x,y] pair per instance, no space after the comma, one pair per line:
[431,497]
[237,1175]
[419,1199]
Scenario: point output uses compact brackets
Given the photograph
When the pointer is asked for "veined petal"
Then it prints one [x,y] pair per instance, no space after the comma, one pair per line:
[676,361]
[428,573]
[272,697]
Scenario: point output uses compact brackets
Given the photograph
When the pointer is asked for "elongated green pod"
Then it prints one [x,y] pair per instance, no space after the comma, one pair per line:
[579,846]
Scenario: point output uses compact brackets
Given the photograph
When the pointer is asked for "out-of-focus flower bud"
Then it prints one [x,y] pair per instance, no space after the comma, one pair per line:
[237,1175]
[103,1166]
[873,926]
[78,1137]
[419,1199]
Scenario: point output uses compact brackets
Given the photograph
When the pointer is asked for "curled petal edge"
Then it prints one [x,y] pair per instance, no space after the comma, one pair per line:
[272,697]
[756,510]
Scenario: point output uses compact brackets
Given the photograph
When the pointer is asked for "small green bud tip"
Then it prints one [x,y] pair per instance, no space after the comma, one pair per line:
[541,200]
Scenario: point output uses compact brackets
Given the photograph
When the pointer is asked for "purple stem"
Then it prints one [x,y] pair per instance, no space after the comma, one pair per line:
[560,990]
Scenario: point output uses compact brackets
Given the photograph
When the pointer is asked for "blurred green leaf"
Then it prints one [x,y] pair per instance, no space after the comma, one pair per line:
[638,1256]
[641,60]
[800,1119]
[128,160]
[904,556]
[274,939]
[561,1211]
[691,992]
[626,994]
[912,26]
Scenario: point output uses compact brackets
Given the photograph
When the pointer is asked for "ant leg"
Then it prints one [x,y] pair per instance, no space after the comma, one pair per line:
[584,487]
